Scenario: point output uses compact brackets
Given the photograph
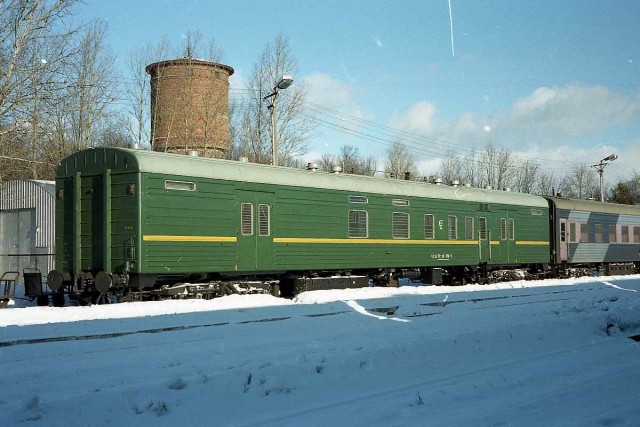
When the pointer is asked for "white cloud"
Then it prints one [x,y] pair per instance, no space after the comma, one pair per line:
[329,92]
[549,123]
[574,110]
[333,101]
[419,118]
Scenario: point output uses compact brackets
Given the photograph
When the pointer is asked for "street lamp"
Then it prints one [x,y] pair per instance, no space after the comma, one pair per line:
[600,168]
[283,83]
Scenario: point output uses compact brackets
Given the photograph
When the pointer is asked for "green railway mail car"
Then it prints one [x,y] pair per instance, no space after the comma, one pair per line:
[134,218]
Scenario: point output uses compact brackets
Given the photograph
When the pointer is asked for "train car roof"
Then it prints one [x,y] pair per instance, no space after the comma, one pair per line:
[120,159]
[594,206]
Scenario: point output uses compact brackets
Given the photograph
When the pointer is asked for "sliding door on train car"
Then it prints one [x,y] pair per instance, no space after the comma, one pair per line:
[507,242]
[255,241]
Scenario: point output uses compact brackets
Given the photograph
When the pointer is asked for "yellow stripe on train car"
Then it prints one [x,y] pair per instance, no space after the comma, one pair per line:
[167,238]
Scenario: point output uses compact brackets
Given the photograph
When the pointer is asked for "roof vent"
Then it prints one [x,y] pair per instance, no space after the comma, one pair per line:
[336,169]
[487,187]
[243,159]
[455,183]
[312,167]
[507,189]
[468,185]
[192,153]
[437,181]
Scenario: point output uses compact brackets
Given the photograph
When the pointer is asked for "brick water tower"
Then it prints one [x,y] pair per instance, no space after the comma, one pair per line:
[190,106]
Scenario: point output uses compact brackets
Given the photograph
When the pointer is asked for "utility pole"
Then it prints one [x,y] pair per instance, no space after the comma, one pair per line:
[600,168]
[284,83]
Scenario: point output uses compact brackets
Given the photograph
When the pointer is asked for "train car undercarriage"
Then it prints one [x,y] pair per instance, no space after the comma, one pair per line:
[103,288]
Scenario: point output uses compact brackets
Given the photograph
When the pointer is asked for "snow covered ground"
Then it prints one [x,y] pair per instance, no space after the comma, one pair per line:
[520,353]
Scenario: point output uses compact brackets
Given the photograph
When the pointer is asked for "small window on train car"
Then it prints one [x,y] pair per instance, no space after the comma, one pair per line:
[358,199]
[512,229]
[264,220]
[400,225]
[599,235]
[482,228]
[428,226]
[400,202]
[453,227]
[246,219]
[624,231]
[613,235]
[469,228]
[584,233]
[636,234]
[358,224]
[536,212]
[573,234]
[180,185]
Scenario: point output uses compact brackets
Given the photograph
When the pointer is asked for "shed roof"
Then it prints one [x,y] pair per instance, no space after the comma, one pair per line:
[95,160]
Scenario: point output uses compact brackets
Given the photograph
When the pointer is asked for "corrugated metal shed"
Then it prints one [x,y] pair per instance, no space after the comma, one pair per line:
[27,226]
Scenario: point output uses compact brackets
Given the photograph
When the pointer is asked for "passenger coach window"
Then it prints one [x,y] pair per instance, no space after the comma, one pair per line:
[453,227]
[625,233]
[428,226]
[358,224]
[483,228]
[400,225]
[264,220]
[468,230]
[613,238]
[636,234]
[599,233]
[573,236]
[246,219]
[584,233]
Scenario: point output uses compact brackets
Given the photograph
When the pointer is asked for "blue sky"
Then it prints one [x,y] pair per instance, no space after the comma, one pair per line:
[553,80]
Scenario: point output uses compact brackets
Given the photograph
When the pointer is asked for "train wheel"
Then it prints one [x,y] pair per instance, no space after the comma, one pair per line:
[58,299]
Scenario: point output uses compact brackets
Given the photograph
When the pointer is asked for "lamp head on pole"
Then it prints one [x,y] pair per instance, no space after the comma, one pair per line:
[284,82]
[610,158]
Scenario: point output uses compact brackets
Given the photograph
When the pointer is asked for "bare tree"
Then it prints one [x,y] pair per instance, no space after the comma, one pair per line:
[94,81]
[526,175]
[451,169]
[399,161]
[138,90]
[254,124]
[27,29]
[581,183]
[350,160]
[34,48]
[495,166]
